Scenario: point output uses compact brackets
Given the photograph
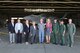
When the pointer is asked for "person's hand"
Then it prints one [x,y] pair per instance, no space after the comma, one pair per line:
[63,33]
[9,32]
[57,32]
[24,33]
[16,32]
[51,32]
[31,34]
[73,33]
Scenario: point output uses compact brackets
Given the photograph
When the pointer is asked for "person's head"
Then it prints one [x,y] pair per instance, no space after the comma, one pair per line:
[41,20]
[34,23]
[12,20]
[27,21]
[70,20]
[48,20]
[61,22]
[55,20]
[19,21]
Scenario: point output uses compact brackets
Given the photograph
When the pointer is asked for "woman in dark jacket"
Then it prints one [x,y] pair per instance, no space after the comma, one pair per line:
[26,31]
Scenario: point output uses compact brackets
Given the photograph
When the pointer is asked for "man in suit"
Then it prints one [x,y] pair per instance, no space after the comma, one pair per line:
[71,32]
[11,29]
[33,33]
[19,30]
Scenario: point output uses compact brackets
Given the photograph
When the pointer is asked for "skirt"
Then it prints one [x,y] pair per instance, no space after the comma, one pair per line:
[48,32]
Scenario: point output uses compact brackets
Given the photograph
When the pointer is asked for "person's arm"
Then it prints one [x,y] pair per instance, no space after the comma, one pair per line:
[57,27]
[24,29]
[74,27]
[68,28]
[38,26]
[64,30]
[21,27]
[44,25]
[16,28]
[9,28]
[51,28]
[31,30]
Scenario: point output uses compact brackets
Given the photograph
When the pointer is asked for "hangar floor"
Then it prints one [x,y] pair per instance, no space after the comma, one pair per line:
[6,47]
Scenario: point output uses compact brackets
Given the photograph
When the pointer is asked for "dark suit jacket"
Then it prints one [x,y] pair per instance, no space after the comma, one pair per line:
[11,28]
[33,31]
[26,28]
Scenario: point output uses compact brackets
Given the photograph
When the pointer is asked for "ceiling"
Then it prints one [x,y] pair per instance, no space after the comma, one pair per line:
[17,7]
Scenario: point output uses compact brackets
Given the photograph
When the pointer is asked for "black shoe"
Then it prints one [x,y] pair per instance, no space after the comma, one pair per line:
[31,43]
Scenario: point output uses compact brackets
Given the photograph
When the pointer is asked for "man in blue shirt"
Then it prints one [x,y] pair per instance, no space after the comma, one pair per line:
[41,27]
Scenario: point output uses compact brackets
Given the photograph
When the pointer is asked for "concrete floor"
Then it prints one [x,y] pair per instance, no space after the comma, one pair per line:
[5,47]
[37,48]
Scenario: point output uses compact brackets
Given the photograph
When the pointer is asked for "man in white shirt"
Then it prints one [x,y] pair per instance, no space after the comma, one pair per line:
[19,30]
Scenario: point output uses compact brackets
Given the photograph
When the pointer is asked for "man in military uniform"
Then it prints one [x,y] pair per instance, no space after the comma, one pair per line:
[55,32]
[71,32]
[62,30]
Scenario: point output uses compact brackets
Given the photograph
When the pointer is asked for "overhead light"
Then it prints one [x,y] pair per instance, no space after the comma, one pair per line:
[39,10]
[13,18]
[20,18]
[16,18]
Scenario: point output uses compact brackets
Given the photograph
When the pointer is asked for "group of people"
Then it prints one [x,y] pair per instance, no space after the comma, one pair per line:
[51,32]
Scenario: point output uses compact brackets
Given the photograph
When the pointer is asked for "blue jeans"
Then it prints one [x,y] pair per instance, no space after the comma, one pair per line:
[41,36]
